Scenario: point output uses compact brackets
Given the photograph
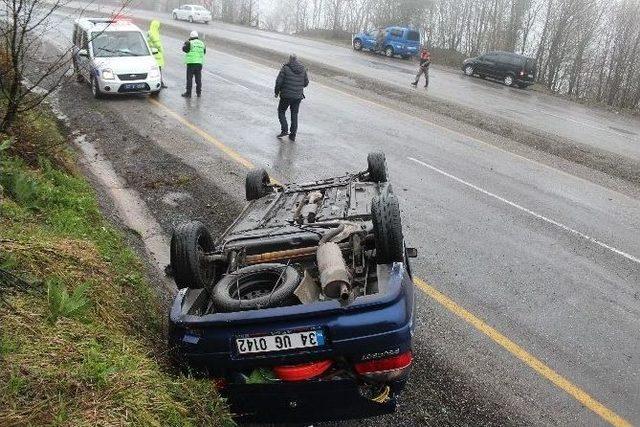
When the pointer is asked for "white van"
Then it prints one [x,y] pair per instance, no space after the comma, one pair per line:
[114,57]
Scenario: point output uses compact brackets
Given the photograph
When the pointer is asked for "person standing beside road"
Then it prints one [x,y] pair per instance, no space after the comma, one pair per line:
[194,50]
[290,85]
[425,62]
[380,37]
[153,38]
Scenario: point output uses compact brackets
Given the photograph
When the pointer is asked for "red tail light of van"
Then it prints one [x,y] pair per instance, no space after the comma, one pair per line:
[386,369]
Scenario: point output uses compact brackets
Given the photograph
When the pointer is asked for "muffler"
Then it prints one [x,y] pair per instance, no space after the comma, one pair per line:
[334,276]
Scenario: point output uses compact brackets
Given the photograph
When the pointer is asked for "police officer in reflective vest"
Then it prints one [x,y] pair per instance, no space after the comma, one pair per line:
[194,50]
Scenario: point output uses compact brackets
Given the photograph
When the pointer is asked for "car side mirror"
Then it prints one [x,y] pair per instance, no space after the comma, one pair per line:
[154,51]
[84,53]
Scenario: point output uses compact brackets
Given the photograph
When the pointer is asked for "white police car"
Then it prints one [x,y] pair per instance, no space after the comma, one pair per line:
[114,57]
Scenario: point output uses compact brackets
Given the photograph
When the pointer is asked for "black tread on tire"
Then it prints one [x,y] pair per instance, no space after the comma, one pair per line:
[377,166]
[255,286]
[387,228]
[189,241]
[257,184]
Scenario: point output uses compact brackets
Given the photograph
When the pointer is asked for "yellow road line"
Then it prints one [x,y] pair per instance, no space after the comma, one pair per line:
[534,363]
[538,366]
[233,154]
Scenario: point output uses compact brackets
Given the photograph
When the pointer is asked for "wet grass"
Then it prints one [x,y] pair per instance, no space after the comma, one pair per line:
[80,326]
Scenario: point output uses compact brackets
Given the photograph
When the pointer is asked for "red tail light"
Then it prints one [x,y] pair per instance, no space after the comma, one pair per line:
[302,372]
[385,369]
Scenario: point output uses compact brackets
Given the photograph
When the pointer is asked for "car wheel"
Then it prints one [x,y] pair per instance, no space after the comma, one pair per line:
[175,17]
[206,22]
[388,52]
[255,287]
[257,184]
[357,44]
[95,88]
[190,242]
[468,70]
[508,80]
[377,166]
[191,19]
[387,228]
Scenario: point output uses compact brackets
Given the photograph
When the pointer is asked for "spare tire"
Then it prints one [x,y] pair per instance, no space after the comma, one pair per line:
[257,184]
[189,243]
[377,166]
[252,287]
[387,228]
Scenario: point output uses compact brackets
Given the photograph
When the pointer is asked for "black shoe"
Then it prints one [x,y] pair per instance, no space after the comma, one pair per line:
[282,134]
[186,95]
[292,138]
[414,84]
[198,95]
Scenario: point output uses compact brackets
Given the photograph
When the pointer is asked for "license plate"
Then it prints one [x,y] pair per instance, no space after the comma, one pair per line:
[280,342]
[134,86]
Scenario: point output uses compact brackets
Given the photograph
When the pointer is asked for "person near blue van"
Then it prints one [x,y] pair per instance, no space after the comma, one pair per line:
[425,62]
[290,85]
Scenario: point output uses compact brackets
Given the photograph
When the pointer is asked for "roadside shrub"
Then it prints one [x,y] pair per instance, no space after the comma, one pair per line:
[61,304]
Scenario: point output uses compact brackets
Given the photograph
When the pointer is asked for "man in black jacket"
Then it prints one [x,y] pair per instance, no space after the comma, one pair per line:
[290,85]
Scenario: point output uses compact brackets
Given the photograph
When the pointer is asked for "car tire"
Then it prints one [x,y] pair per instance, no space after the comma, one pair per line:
[468,70]
[252,287]
[508,80]
[387,228]
[357,44]
[189,242]
[388,52]
[256,184]
[95,88]
[175,17]
[406,56]
[206,22]
[377,166]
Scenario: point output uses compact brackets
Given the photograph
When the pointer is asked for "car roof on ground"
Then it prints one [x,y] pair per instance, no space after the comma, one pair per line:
[106,24]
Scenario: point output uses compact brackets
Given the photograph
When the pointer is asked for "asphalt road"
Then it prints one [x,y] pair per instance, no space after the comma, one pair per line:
[548,259]
[592,127]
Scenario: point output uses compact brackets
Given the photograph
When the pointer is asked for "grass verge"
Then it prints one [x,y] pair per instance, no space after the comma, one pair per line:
[80,326]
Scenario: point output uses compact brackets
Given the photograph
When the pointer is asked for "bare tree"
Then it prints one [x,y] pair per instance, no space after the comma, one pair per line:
[29,72]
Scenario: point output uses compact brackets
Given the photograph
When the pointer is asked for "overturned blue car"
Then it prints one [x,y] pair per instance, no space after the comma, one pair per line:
[304,309]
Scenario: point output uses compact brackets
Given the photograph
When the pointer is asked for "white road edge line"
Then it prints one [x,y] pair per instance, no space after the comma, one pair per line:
[530,212]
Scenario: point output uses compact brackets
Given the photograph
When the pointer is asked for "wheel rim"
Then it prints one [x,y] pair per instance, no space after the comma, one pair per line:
[206,268]
[508,80]
[191,19]
[389,52]
[468,70]
[94,87]
[357,45]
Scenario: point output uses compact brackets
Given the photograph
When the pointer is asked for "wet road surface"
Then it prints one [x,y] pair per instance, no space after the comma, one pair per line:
[593,127]
[548,259]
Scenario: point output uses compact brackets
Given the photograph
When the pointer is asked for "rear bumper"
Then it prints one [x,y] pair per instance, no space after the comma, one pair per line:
[306,401]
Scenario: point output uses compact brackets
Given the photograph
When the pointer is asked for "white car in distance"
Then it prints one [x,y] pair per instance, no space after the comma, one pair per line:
[192,13]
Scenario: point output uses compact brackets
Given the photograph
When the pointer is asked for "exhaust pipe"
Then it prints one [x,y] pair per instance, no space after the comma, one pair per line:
[334,276]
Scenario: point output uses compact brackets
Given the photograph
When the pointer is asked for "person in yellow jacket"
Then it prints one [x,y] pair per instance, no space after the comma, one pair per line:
[153,37]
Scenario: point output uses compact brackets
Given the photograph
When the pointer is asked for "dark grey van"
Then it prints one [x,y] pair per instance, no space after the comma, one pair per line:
[511,68]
